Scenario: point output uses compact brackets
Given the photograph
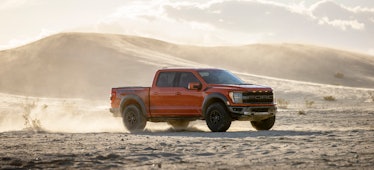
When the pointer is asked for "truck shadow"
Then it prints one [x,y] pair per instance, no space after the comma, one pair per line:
[233,134]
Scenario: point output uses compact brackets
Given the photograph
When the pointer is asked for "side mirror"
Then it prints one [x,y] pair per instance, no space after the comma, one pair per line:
[194,86]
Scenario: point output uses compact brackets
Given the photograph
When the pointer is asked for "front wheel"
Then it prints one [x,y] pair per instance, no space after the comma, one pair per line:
[133,119]
[265,124]
[217,118]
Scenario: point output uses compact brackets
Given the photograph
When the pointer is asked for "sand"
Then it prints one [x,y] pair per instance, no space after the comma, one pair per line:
[318,140]
[54,101]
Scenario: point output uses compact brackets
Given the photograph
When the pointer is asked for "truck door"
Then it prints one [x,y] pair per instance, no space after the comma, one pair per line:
[162,95]
[188,102]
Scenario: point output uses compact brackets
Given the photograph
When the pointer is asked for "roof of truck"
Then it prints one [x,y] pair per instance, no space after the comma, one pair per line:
[187,69]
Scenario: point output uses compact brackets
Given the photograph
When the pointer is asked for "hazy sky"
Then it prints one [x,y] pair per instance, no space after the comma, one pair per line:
[347,24]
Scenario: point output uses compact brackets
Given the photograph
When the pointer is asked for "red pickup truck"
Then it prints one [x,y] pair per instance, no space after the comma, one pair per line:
[178,96]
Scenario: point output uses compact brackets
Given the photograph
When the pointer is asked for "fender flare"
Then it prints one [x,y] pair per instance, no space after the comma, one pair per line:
[131,98]
[212,98]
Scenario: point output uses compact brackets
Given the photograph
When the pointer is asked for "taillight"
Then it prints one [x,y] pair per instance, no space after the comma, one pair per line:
[113,96]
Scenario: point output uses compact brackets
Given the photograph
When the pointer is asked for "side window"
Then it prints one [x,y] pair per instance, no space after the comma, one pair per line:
[185,78]
[165,79]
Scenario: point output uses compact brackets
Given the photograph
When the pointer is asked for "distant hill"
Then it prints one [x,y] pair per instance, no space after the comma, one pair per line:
[87,65]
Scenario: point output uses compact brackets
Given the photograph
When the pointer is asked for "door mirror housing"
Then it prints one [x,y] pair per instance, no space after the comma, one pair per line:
[194,86]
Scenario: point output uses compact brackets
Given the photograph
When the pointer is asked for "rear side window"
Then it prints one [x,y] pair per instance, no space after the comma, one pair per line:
[165,79]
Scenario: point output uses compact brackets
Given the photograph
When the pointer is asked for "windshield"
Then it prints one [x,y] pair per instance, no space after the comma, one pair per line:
[220,77]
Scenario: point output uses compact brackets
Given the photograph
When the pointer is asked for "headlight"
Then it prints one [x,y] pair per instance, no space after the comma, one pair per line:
[236,97]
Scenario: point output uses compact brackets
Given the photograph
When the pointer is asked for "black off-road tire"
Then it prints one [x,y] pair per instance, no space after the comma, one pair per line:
[133,119]
[265,124]
[217,118]
[179,124]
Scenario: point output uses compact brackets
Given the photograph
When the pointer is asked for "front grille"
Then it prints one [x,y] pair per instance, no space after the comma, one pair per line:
[258,97]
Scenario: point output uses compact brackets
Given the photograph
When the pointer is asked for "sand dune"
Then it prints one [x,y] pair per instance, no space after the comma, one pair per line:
[287,61]
[87,65]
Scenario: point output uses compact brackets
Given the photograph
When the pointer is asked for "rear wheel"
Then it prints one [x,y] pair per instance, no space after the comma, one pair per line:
[265,124]
[217,118]
[133,118]
[179,124]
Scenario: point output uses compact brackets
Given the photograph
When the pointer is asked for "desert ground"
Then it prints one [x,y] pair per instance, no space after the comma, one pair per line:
[54,101]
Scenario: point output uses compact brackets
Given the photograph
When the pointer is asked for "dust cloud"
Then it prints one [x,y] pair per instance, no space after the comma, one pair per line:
[56,115]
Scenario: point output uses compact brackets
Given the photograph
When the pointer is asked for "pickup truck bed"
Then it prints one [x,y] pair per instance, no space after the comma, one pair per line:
[119,93]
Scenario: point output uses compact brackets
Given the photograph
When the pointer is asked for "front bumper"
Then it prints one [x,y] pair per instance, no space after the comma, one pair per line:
[253,113]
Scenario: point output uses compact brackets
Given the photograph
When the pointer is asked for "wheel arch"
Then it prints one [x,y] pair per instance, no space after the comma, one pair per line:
[212,98]
[132,99]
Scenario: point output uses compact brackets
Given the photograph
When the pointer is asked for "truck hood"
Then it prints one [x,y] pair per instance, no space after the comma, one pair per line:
[241,87]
